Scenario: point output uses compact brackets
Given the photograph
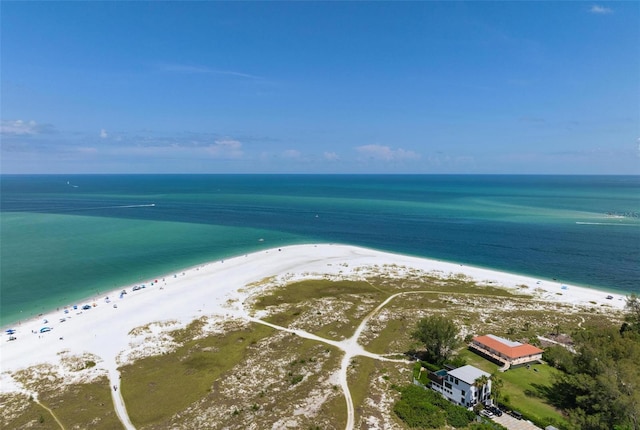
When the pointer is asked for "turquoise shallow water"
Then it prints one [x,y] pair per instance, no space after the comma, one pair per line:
[67,237]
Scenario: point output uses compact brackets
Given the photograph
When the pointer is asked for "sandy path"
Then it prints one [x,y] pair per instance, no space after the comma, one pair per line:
[217,290]
[118,401]
[350,347]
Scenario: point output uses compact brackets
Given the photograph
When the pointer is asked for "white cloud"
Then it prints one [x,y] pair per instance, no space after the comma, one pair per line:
[331,156]
[601,10]
[24,128]
[229,148]
[292,154]
[385,153]
[103,133]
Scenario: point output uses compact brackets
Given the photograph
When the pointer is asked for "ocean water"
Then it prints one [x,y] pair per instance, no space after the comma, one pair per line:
[64,238]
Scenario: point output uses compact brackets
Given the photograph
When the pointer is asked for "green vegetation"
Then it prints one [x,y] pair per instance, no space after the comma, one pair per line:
[155,388]
[76,406]
[421,408]
[302,303]
[526,390]
[593,389]
[523,389]
[82,405]
[299,292]
[364,370]
[632,318]
[439,335]
[601,387]
[20,412]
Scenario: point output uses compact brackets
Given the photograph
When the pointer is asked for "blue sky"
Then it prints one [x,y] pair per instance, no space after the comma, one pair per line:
[320,87]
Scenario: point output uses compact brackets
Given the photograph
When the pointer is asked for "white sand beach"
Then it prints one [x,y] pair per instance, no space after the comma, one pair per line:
[217,290]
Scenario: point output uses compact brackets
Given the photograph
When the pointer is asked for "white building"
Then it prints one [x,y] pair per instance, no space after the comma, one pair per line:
[462,386]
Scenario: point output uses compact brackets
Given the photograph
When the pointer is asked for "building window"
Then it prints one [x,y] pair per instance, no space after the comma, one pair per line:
[463,393]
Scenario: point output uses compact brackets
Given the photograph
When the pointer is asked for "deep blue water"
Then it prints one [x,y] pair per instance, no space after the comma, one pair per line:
[66,237]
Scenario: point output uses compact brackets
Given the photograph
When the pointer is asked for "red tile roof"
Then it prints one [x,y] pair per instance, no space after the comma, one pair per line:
[511,352]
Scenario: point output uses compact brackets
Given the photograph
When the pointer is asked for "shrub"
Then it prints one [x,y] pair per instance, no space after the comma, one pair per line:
[457,416]
[559,357]
[416,409]
[295,379]
[422,416]
[457,361]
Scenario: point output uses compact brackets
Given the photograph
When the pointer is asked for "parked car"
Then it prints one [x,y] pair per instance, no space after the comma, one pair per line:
[487,413]
[517,415]
[496,411]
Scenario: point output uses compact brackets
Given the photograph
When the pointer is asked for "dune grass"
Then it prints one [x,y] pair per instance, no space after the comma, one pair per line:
[302,291]
[155,388]
[82,405]
[18,412]
[158,388]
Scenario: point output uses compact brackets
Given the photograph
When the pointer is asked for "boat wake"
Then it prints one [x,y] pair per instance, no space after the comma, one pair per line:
[603,223]
[150,205]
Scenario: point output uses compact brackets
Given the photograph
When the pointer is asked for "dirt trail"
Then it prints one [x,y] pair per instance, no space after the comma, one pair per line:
[35,398]
[350,347]
[118,401]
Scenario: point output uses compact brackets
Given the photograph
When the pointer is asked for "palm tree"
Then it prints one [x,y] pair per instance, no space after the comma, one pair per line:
[496,386]
[480,384]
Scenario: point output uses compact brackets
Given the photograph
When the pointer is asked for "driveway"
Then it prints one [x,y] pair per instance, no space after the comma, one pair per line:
[513,424]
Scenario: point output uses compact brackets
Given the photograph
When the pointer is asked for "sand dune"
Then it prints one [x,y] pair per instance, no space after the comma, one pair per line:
[218,290]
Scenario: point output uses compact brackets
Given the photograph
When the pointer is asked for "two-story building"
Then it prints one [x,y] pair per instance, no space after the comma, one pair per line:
[465,386]
[506,351]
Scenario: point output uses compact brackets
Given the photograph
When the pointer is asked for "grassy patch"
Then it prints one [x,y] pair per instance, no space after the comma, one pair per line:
[479,362]
[84,405]
[194,329]
[335,410]
[155,388]
[18,412]
[331,309]
[522,387]
[338,330]
[386,340]
[361,372]
[298,292]
[81,405]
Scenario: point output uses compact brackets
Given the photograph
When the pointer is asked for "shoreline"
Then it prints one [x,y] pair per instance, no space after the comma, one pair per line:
[96,296]
[596,292]
[217,290]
